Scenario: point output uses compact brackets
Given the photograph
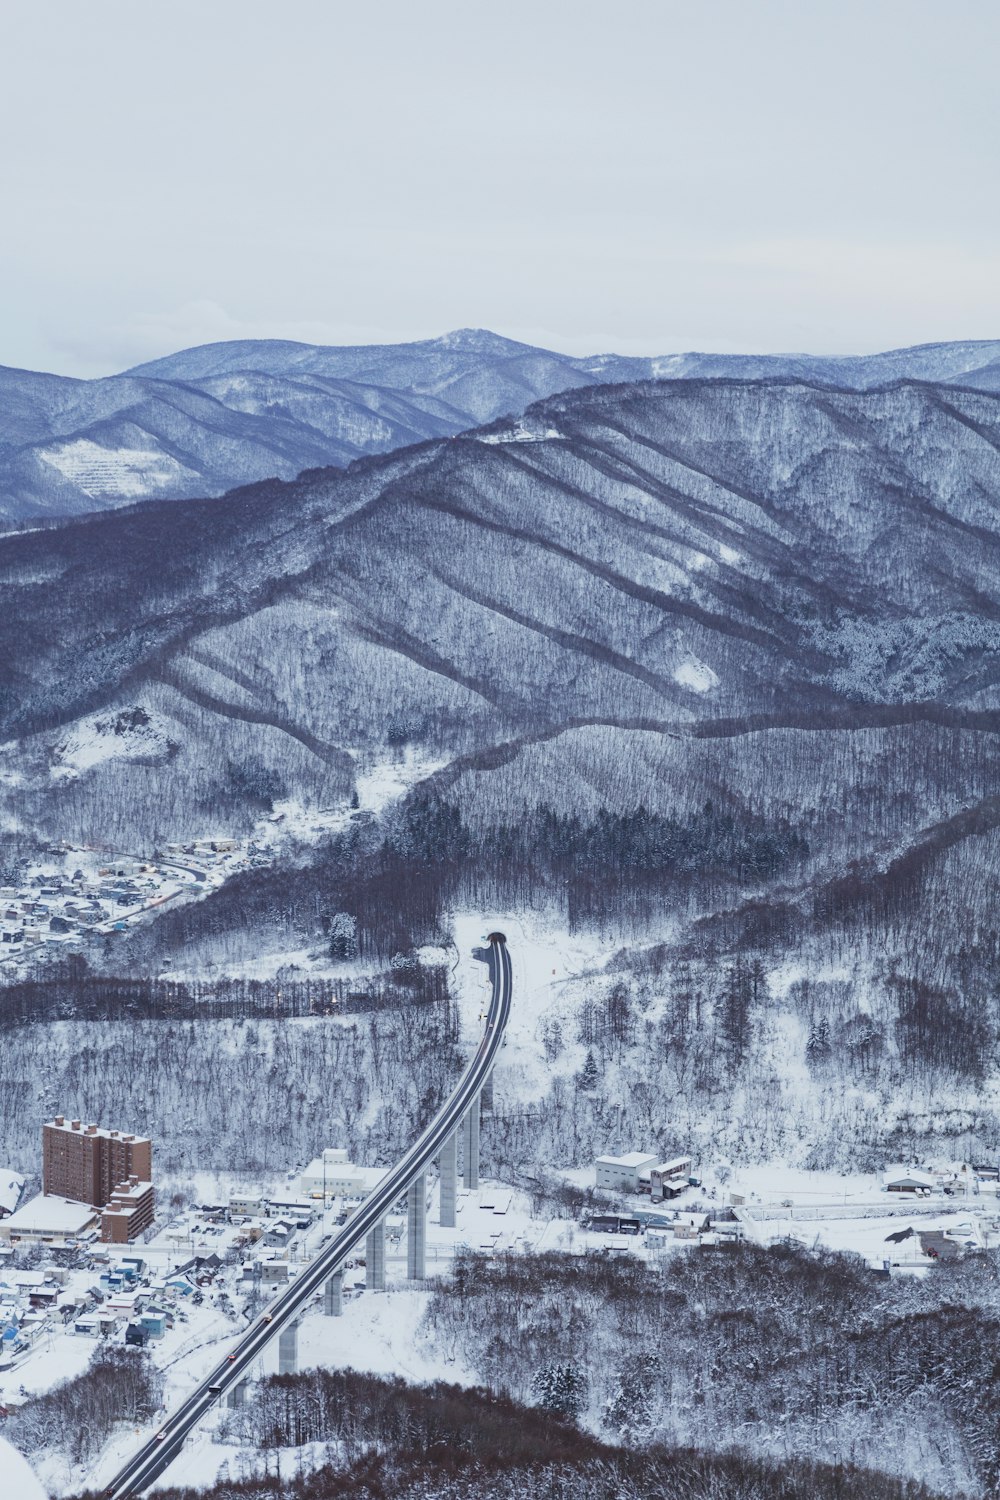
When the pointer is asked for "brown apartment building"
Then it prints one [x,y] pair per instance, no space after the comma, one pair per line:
[87,1164]
[128,1213]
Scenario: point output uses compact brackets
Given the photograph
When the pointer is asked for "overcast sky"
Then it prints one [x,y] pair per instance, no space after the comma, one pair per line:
[642,177]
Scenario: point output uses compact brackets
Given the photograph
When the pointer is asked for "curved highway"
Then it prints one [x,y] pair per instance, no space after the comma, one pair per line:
[157,1454]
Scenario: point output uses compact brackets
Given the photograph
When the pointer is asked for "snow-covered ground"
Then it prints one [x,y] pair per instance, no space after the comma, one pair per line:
[377,783]
[125,473]
[696,676]
[19,1479]
[108,737]
[384,1333]
[546,959]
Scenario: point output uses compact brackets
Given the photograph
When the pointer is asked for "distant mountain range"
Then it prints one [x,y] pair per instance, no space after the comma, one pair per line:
[740,552]
[202,421]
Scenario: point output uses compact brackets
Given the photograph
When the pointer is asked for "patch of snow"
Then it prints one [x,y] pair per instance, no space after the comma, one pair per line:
[729,554]
[547,962]
[696,676]
[132,472]
[127,735]
[377,783]
[386,781]
[521,434]
[20,1482]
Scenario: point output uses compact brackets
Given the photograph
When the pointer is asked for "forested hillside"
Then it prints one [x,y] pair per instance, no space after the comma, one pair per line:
[708,667]
[203,420]
[705,559]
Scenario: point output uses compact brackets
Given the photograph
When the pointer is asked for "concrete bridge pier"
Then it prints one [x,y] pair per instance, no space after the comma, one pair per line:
[449,1180]
[375,1258]
[470,1146]
[333,1295]
[288,1349]
[416,1229]
[487,1094]
[237,1394]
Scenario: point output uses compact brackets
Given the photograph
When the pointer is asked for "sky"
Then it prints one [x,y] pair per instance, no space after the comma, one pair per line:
[646,177]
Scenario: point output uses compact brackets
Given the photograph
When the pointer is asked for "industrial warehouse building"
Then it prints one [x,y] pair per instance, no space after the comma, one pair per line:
[621,1173]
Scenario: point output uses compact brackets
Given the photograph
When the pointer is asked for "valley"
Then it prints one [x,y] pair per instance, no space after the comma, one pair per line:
[688,686]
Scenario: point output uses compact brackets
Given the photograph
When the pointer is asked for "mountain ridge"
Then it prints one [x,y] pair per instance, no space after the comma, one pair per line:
[672,553]
[209,419]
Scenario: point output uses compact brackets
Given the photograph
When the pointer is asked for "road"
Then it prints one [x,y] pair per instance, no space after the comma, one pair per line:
[159,1452]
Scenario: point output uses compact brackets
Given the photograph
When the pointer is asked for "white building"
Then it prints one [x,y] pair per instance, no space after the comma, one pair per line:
[621,1173]
[331,1173]
[246,1206]
[48,1220]
[669,1178]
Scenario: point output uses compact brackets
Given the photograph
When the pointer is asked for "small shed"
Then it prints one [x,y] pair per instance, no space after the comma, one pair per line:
[690,1226]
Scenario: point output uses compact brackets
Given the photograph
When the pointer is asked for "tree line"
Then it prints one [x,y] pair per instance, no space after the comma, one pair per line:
[71,991]
[378,1438]
[780,1351]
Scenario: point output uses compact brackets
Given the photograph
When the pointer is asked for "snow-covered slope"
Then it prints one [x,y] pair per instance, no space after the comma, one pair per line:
[19,1479]
[206,419]
[674,556]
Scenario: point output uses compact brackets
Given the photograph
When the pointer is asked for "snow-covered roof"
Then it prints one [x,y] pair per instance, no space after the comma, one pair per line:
[677,1165]
[332,1164]
[47,1214]
[61,1123]
[11,1187]
[368,1178]
[124,1301]
[897,1175]
[630,1159]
